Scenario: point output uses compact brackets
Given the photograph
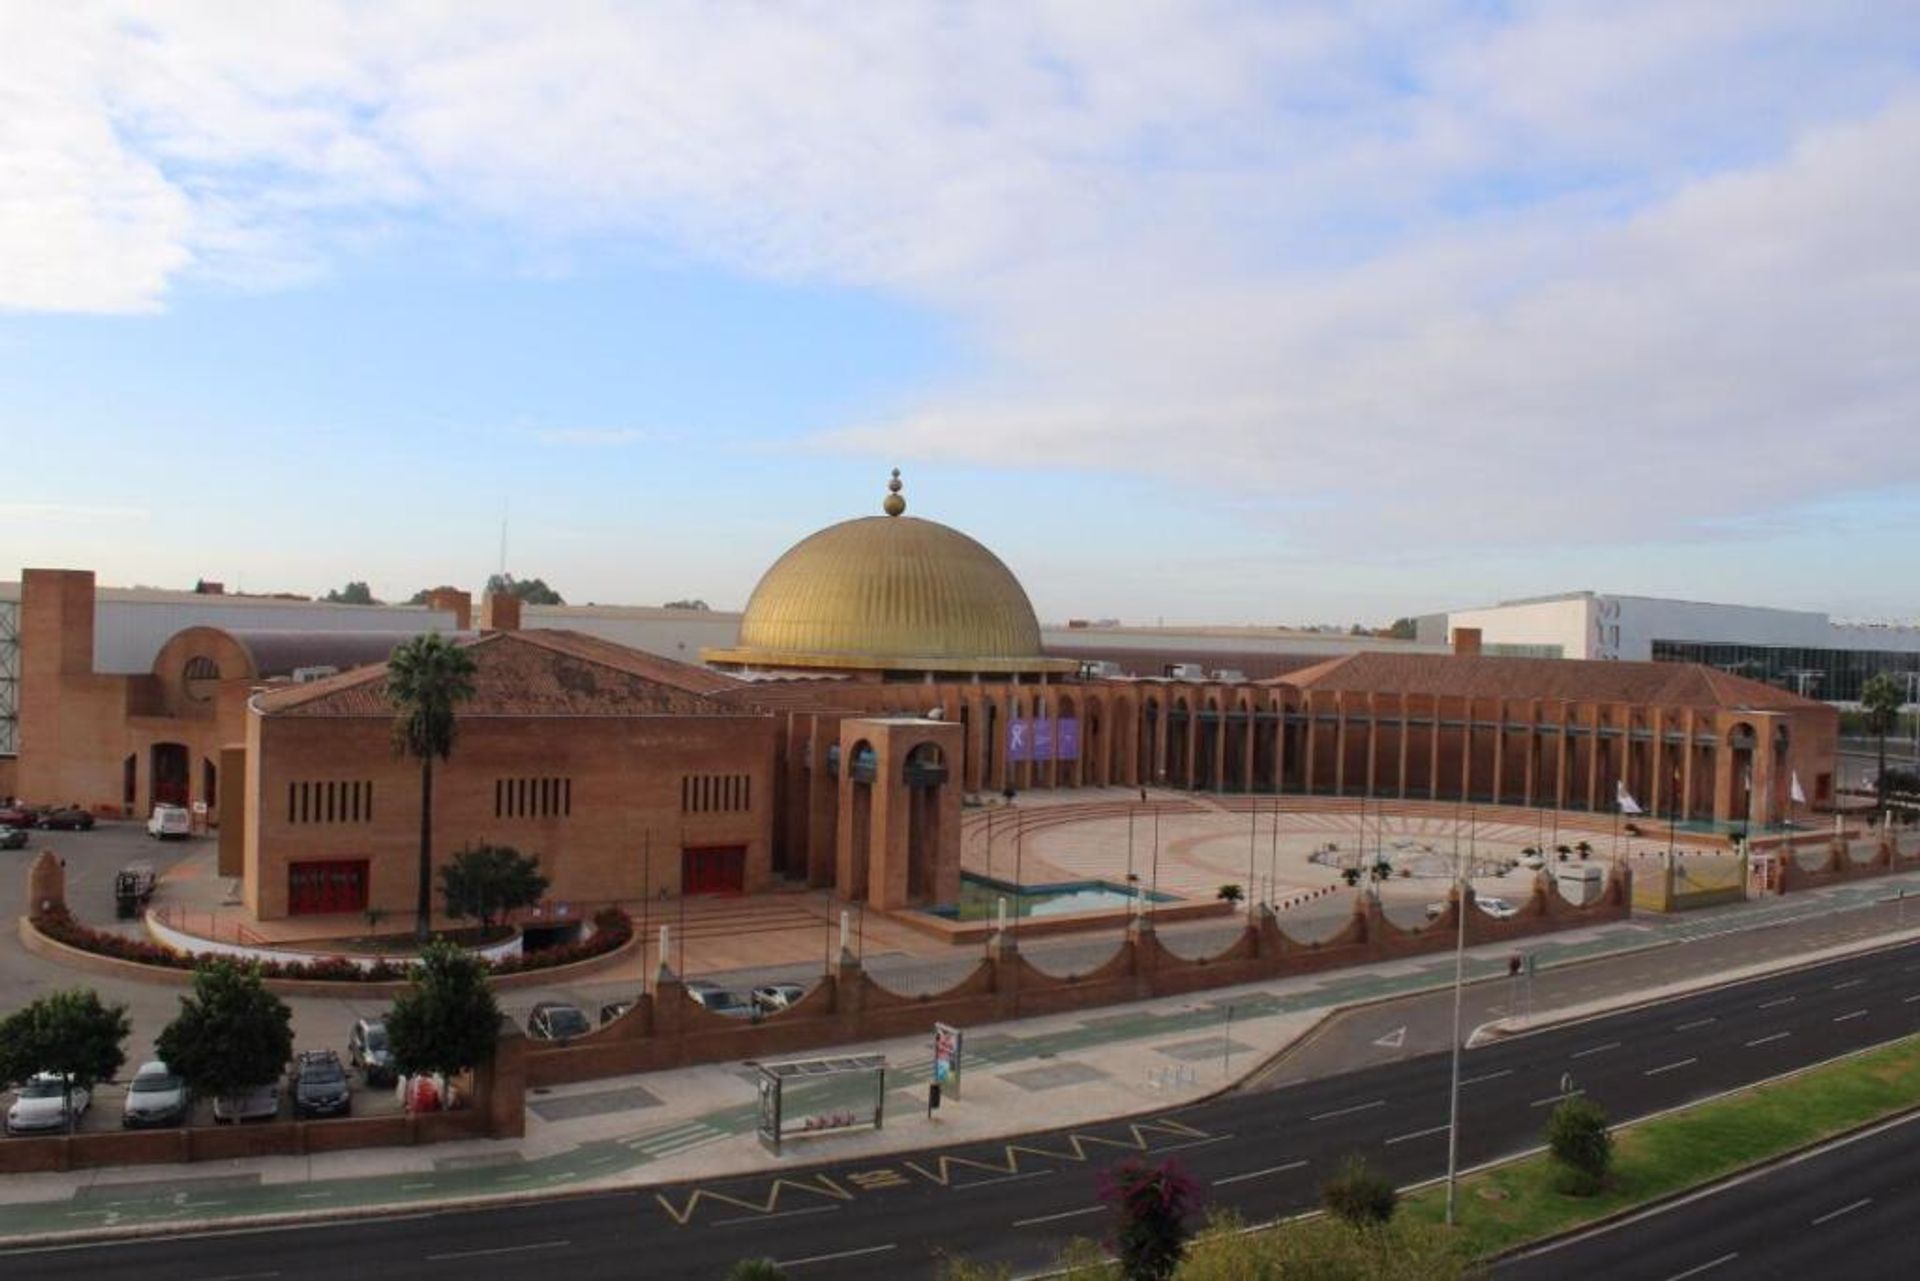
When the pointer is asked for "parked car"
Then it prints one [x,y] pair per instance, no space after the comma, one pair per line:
[777,996]
[557,1021]
[40,1106]
[319,1085]
[1532,860]
[613,1010]
[720,1000]
[155,1097]
[13,838]
[260,1103]
[1437,909]
[367,1050]
[19,816]
[69,819]
[1498,908]
[133,887]
[170,823]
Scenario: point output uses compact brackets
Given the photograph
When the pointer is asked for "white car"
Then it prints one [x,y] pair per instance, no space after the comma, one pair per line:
[1498,908]
[170,822]
[40,1107]
[155,1097]
[1532,860]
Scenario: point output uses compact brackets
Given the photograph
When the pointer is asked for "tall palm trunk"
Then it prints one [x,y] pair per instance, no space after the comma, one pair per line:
[423,907]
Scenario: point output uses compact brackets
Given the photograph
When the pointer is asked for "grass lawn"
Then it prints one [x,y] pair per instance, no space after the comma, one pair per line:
[1503,1207]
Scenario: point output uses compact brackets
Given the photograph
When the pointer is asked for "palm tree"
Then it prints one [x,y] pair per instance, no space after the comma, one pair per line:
[1880,699]
[428,677]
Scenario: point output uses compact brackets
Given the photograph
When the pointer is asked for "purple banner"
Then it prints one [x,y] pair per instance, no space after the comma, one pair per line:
[1041,739]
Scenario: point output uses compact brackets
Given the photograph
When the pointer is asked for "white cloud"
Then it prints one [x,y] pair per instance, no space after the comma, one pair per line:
[1442,274]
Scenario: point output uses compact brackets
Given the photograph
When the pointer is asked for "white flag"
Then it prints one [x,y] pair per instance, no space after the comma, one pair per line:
[1625,798]
[1799,797]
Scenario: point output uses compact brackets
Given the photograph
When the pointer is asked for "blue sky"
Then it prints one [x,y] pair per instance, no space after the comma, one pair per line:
[1213,312]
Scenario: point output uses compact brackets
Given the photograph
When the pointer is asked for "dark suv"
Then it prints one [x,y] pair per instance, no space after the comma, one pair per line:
[319,1085]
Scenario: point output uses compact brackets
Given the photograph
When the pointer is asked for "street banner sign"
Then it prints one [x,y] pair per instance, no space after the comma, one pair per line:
[948,1043]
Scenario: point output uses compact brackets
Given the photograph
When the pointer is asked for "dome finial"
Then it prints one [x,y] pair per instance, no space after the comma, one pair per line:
[894,504]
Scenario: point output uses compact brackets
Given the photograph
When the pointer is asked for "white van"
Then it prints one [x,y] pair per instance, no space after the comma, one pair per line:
[170,822]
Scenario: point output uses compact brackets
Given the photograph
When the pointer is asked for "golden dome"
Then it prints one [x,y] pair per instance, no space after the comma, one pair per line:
[892,593]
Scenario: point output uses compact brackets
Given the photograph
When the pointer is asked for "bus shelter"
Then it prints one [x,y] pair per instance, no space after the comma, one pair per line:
[813,1098]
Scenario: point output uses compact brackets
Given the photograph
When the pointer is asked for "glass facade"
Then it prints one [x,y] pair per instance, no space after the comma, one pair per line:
[1831,675]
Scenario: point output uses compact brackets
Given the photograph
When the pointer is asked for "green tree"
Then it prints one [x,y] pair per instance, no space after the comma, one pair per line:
[1403,629]
[69,1033]
[428,678]
[1231,893]
[1880,700]
[534,591]
[1359,1194]
[489,881]
[1581,1145]
[1152,1203]
[687,604]
[448,1020]
[425,594]
[231,1033]
[354,593]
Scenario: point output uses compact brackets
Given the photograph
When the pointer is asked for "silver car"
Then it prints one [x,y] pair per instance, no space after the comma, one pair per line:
[40,1106]
[261,1103]
[155,1097]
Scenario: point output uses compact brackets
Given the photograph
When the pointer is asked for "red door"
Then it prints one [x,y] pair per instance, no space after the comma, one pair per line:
[714,869]
[323,888]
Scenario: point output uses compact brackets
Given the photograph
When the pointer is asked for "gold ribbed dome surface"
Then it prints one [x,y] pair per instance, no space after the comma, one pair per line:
[890,592]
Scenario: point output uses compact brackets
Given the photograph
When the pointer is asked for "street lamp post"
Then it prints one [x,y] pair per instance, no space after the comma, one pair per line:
[1459,987]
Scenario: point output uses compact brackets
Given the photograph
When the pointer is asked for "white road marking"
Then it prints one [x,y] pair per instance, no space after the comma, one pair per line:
[310,1196]
[1393,1040]
[1255,1174]
[1417,1134]
[1777,1036]
[1781,1000]
[1555,1098]
[827,1258]
[1594,1049]
[1909,1000]
[1688,1027]
[1841,987]
[1064,1214]
[499,1249]
[1670,1067]
[1004,1178]
[1842,1018]
[1490,1076]
[1358,1107]
[1194,1143]
[777,1214]
[1694,1272]
[1845,1209]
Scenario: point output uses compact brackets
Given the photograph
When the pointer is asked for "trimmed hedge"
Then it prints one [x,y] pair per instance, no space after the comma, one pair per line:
[613,929]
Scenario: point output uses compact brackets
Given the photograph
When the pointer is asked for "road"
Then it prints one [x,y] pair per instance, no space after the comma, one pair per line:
[1846,1210]
[1262,1152]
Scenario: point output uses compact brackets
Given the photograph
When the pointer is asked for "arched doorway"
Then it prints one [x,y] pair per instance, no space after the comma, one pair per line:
[168,770]
[924,773]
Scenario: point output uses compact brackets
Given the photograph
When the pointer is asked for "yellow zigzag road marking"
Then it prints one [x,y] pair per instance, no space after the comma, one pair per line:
[821,1185]
[1141,1131]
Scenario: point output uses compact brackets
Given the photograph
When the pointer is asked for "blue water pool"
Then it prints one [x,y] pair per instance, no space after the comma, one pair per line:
[979,896]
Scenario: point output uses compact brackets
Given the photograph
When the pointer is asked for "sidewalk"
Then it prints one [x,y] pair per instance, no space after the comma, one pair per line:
[1038,1073]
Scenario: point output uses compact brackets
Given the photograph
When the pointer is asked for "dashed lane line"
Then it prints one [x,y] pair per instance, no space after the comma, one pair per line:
[840,1254]
[1778,1000]
[1054,1218]
[1358,1107]
[1856,1014]
[1777,1036]
[1487,1076]
[1418,1134]
[1670,1067]
[1845,1209]
[1555,1098]
[1258,1174]
[498,1249]
[777,1214]
[1707,1266]
[1688,1027]
[1594,1049]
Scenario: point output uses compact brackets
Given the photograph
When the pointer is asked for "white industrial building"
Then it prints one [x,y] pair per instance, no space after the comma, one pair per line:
[1802,650]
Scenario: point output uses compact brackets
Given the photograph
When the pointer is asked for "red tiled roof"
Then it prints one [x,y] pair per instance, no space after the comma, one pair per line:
[1575,680]
[534,673]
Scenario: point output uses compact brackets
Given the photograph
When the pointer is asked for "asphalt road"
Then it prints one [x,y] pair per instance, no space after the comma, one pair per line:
[1262,1152]
[1846,1210]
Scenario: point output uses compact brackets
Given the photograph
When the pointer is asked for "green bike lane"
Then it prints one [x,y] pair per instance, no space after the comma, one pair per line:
[678,1136]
